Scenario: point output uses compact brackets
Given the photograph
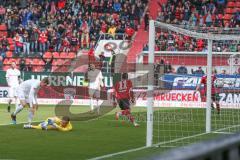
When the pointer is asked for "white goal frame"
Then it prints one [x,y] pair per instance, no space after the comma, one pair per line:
[151,45]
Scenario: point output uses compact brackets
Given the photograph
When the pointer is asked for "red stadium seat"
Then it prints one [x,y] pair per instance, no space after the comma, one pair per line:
[5,62]
[3,27]
[41,62]
[72,55]
[12,48]
[67,62]
[238,4]
[37,68]
[227,16]
[55,55]
[47,55]
[36,61]
[231,4]
[6,67]
[28,60]
[9,54]
[64,55]
[229,10]
[10,41]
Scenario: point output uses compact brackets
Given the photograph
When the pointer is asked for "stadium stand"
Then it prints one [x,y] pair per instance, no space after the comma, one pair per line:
[209,15]
[61,27]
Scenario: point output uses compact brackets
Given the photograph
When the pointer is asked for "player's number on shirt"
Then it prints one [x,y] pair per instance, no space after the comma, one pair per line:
[123,86]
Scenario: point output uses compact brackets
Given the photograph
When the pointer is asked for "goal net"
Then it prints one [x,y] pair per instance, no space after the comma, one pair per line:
[177,114]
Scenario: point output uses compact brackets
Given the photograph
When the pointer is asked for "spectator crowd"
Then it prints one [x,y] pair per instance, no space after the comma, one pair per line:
[66,25]
[198,15]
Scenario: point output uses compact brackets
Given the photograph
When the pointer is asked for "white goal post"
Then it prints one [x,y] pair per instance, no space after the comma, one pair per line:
[210,37]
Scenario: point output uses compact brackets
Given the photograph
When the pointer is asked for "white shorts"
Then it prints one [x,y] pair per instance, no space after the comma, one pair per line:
[22,97]
[12,92]
[94,90]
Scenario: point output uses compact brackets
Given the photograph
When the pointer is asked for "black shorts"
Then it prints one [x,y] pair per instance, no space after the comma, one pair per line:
[215,97]
[124,104]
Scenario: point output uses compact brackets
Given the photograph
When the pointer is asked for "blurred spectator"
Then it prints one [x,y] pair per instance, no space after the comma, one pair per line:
[33,39]
[112,31]
[198,71]
[182,69]
[42,42]
[66,45]
[129,32]
[22,65]
[2,13]
[146,21]
[30,67]
[168,67]
[1,63]
[18,44]
[103,61]
[145,47]
[48,63]
[224,72]
[4,43]
[26,44]
[85,34]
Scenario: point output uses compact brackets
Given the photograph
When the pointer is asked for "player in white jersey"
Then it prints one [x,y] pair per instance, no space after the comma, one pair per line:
[13,80]
[95,82]
[27,95]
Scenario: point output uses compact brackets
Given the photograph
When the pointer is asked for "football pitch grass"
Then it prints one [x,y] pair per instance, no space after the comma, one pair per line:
[173,127]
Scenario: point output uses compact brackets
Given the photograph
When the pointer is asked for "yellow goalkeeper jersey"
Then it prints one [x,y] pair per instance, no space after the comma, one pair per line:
[58,125]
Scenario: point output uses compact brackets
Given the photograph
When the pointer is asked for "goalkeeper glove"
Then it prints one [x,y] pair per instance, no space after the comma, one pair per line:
[50,122]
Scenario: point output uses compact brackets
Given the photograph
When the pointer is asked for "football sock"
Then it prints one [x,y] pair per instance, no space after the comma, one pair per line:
[18,109]
[30,117]
[91,104]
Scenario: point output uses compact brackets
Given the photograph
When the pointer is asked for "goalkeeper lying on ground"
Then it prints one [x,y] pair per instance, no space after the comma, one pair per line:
[53,123]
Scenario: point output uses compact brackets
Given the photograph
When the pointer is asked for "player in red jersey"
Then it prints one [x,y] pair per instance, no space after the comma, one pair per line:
[215,96]
[123,94]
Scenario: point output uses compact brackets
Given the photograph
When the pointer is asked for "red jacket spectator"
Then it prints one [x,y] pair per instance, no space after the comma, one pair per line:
[91,57]
[42,37]
[61,4]
[129,31]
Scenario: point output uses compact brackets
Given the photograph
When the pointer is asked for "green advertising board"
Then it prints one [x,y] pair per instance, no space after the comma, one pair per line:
[61,79]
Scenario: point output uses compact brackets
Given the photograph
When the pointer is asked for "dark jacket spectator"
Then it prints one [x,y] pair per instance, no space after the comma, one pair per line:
[48,64]
[198,71]
[182,70]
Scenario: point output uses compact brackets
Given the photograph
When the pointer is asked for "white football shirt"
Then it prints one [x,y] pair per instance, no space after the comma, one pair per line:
[12,76]
[95,78]
[30,89]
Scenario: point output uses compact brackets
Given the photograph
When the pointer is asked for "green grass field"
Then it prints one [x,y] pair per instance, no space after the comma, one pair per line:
[172,128]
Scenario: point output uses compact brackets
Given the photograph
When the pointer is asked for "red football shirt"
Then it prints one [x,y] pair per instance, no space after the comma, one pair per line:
[204,82]
[123,89]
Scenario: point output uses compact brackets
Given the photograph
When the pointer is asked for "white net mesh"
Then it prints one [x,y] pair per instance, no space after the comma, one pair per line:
[180,65]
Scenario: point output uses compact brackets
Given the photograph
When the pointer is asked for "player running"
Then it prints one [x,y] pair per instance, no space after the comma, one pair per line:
[53,123]
[215,96]
[13,80]
[124,94]
[27,95]
[95,82]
